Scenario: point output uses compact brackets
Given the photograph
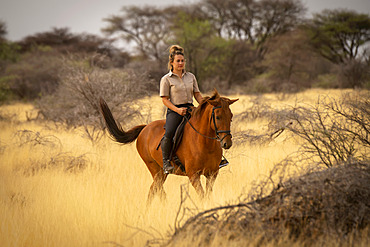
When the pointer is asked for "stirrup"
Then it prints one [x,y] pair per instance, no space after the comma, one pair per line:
[167,167]
[223,163]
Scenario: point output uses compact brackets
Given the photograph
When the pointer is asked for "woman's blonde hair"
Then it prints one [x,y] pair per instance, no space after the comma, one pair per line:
[174,50]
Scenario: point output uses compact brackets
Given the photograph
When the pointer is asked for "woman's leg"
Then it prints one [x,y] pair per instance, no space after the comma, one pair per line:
[172,122]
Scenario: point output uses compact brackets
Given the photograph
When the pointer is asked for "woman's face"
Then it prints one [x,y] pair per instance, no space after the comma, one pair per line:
[178,63]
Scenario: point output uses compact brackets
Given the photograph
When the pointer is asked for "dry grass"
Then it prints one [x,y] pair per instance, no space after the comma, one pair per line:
[100,201]
[319,204]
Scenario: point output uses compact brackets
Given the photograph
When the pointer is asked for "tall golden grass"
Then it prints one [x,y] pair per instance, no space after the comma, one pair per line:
[59,189]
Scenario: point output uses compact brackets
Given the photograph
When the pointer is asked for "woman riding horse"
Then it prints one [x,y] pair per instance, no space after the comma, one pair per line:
[177,89]
[200,150]
[205,134]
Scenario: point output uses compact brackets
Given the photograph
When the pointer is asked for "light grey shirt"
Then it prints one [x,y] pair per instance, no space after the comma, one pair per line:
[179,90]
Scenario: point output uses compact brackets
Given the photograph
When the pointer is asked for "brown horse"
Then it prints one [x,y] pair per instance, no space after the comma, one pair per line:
[200,151]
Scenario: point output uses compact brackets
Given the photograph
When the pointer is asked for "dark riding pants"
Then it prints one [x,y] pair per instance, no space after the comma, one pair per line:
[173,119]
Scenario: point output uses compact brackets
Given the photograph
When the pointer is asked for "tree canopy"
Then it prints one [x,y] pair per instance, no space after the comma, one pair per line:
[339,34]
[257,45]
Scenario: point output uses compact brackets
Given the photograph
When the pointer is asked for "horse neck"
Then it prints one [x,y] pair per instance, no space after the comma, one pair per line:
[202,123]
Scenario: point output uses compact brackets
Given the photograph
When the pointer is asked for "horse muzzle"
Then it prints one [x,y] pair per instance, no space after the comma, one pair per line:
[226,142]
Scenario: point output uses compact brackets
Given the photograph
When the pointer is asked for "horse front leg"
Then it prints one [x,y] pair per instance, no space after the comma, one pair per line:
[157,187]
[195,181]
[210,181]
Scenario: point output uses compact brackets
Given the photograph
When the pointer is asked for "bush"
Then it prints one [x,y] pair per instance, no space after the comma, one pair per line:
[76,102]
[318,205]
[334,131]
[34,75]
[327,81]
[354,74]
[5,92]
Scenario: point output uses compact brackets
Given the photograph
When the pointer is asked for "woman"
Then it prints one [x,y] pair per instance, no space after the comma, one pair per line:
[177,89]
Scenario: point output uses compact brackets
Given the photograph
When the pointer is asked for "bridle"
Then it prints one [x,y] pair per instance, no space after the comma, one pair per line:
[228,132]
[217,132]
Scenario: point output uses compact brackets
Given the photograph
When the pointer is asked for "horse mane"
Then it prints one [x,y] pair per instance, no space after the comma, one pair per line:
[202,106]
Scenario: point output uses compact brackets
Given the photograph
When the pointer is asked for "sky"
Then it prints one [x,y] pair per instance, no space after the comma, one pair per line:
[28,17]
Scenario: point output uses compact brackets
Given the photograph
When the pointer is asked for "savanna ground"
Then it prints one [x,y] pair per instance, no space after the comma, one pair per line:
[60,189]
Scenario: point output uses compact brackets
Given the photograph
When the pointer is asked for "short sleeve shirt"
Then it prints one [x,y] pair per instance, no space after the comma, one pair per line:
[179,90]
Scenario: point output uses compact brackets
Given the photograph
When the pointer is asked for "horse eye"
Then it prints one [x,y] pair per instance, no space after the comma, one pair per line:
[217,117]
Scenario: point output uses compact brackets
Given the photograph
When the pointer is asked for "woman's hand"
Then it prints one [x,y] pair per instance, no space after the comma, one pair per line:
[181,111]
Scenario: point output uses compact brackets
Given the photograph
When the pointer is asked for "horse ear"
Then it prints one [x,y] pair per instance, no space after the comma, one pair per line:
[215,98]
[231,101]
[215,94]
[213,102]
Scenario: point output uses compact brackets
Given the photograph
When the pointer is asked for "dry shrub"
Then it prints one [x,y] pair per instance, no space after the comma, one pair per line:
[52,158]
[334,131]
[76,102]
[63,161]
[328,200]
[29,137]
[321,203]
[261,109]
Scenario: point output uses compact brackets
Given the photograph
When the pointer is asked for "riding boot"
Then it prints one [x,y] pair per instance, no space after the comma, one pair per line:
[166,152]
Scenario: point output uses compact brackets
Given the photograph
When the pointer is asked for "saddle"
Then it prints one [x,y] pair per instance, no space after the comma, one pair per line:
[177,140]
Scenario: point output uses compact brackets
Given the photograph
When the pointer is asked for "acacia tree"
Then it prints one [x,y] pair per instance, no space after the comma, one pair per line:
[276,17]
[3,30]
[146,27]
[292,63]
[8,49]
[215,61]
[339,34]
[253,21]
[195,36]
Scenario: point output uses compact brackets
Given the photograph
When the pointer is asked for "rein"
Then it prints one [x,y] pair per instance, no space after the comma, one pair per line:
[218,138]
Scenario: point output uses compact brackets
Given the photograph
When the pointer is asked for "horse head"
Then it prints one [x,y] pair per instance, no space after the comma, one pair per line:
[220,117]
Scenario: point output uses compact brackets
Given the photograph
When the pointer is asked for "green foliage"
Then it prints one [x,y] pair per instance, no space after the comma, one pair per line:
[327,81]
[194,35]
[9,51]
[9,54]
[3,30]
[5,92]
[215,61]
[254,22]
[231,42]
[146,27]
[35,73]
[339,34]
[292,63]
[62,41]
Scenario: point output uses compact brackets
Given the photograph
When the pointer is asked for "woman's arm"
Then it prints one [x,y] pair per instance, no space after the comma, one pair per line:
[198,97]
[168,103]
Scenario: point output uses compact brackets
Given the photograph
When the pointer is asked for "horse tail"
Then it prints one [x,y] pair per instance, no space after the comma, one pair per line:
[115,129]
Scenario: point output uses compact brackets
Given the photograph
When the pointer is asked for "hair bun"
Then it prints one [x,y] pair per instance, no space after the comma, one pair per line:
[176,49]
